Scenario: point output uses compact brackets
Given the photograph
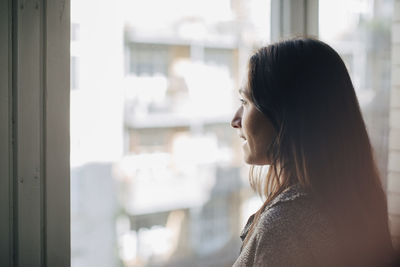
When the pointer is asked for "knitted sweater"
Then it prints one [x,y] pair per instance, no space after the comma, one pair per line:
[291,232]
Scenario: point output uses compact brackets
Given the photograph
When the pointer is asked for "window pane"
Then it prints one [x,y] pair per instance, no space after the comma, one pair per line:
[362,36]
[157,176]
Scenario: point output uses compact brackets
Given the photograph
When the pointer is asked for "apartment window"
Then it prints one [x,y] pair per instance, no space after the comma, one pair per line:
[74,72]
[75,32]
[223,58]
[148,59]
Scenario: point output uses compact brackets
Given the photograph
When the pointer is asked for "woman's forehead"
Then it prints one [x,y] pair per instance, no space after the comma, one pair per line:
[244,88]
[243,91]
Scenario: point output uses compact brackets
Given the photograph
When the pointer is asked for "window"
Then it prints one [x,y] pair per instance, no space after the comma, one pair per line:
[125,125]
[156,172]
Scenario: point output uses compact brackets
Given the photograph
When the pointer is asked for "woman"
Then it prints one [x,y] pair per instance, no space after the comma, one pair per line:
[324,201]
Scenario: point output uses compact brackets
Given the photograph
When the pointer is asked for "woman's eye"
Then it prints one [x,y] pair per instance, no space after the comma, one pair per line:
[242,101]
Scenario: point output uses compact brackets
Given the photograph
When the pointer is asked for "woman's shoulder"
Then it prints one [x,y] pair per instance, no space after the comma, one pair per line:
[294,194]
[290,208]
[294,214]
[292,231]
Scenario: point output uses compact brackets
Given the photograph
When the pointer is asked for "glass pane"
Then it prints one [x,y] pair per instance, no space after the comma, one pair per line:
[362,36]
[157,176]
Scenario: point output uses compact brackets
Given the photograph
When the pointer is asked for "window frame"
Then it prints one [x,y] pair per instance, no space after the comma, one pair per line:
[34,160]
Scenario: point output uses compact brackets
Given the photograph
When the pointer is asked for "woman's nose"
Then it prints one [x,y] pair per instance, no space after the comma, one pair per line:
[237,119]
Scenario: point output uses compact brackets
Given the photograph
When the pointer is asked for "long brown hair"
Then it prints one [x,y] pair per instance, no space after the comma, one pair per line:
[303,87]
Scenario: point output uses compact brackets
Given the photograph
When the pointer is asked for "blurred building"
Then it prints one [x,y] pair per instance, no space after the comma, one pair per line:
[153,156]
[96,130]
[180,176]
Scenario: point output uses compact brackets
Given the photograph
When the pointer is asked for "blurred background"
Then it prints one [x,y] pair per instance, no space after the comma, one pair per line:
[157,177]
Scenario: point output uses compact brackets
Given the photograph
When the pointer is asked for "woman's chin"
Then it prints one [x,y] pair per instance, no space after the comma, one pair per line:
[256,161]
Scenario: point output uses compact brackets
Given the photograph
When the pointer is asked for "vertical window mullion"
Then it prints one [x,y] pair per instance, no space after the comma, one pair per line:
[28,151]
[6,197]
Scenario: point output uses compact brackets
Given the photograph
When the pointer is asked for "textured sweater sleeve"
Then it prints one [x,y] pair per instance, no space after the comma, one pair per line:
[290,233]
[277,238]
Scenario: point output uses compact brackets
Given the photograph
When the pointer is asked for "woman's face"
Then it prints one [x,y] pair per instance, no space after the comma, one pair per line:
[254,128]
